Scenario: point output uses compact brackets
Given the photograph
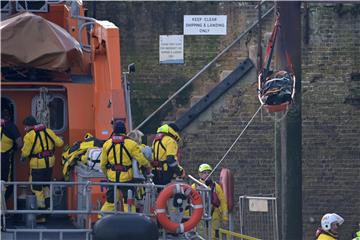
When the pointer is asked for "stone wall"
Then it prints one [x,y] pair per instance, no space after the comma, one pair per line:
[330,104]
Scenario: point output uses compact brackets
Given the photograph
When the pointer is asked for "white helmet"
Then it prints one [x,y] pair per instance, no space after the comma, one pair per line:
[330,218]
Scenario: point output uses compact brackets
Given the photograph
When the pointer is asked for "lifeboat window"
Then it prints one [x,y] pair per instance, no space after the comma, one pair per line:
[54,116]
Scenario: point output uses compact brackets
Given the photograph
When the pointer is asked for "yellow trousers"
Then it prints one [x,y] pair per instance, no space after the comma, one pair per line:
[215,225]
[110,206]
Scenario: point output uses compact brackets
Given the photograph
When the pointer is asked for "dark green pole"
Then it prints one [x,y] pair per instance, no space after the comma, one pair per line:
[288,132]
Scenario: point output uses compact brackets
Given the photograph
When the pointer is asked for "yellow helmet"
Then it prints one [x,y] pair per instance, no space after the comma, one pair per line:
[163,129]
[205,167]
[170,129]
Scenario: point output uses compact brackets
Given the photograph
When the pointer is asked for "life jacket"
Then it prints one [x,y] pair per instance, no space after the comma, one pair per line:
[320,231]
[215,201]
[77,152]
[7,144]
[118,167]
[46,151]
[69,157]
[157,163]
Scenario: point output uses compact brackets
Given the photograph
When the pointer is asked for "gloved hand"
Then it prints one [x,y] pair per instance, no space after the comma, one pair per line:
[178,171]
[155,164]
[208,182]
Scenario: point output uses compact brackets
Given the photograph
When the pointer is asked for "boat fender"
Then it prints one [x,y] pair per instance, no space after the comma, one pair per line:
[125,226]
[227,184]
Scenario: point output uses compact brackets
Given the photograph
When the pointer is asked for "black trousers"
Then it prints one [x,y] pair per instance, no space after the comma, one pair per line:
[163,177]
[41,175]
[7,171]
[124,192]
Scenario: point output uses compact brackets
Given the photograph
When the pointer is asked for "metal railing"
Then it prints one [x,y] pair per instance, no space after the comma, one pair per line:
[258,216]
[230,234]
[87,209]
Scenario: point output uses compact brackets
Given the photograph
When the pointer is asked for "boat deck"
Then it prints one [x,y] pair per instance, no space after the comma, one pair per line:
[63,222]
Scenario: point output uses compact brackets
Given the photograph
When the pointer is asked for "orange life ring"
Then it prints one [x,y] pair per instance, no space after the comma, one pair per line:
[161,204]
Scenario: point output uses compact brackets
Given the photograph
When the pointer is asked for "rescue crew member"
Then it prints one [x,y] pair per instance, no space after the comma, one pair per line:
[330,223]
[165,148]
[139,172]
[219,208]
[357,235]
[116,164]
[39,146]
[10,142]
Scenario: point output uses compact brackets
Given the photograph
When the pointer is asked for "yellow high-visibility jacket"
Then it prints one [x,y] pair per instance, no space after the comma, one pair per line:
[9,134]
[107,159]
[48,144]
[166,146]
[161,153]
[6,142]
[222,210]
[323,236]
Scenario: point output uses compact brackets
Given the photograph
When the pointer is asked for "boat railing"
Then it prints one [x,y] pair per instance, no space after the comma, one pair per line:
[87,210]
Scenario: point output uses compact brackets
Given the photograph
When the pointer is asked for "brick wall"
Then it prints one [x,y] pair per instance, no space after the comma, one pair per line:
[330,105]
[331,116]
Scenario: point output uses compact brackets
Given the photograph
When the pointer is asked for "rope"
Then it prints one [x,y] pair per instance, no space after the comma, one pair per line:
[204,68]
[42,113]
[237,139]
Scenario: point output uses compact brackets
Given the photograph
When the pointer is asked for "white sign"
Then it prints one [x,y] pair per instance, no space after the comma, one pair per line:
[205,24]
[171,49]
[258,205]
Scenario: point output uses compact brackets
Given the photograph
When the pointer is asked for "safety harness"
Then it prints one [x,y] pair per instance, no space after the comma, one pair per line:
[158,139]
[118,167]
[46,151]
